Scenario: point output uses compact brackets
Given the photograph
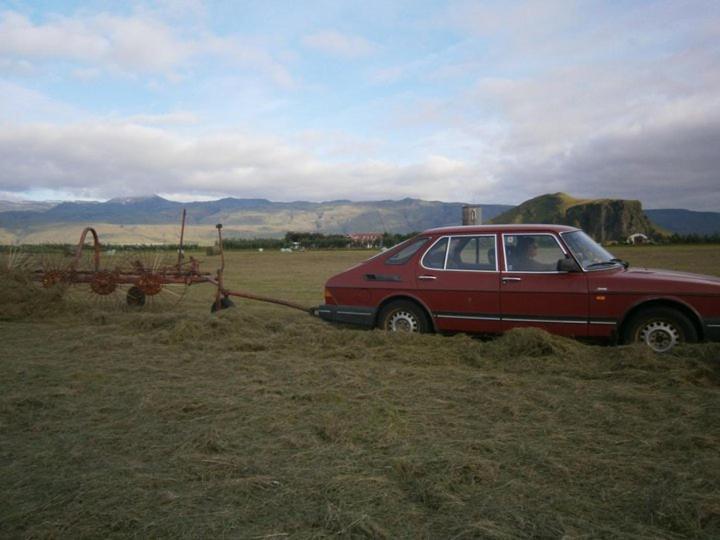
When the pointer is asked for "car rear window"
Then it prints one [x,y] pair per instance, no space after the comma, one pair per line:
[466,252]
[472,253]
[435,256]
[406,253]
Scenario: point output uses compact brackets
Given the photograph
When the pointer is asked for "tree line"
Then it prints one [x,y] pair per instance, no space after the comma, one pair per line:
[292,239]
[70,248]
[308,240]
[694,238]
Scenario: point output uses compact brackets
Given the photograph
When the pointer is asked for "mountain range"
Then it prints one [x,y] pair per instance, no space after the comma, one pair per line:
[156,220]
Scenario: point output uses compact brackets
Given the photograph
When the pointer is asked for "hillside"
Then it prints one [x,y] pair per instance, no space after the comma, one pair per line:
[604,219]
[156,220]
[686,221]
[150,217]
[26,206]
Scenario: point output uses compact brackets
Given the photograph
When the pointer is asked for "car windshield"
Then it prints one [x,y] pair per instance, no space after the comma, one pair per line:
[588,252]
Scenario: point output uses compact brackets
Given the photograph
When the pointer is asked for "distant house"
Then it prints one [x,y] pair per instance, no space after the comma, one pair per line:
[638,238]
[366,240]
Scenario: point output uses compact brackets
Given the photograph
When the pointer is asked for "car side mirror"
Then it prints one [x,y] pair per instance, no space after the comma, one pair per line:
[568,264]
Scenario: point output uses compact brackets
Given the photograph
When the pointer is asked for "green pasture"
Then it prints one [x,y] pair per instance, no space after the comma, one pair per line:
[263,422]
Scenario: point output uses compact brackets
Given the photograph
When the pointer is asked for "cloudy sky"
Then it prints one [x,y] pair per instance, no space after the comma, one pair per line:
[474,101]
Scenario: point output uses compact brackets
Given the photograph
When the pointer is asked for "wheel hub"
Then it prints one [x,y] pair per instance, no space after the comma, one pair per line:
[660,336]
[149,283]
[52,277]
[403,321]
[104,283]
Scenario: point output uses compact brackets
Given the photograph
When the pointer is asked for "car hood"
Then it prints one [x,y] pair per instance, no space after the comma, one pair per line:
[674,275]
[649,279]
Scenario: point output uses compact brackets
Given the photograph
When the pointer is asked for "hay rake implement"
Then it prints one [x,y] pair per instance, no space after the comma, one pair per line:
[144,282]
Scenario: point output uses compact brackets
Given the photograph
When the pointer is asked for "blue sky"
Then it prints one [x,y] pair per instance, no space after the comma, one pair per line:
[457,101]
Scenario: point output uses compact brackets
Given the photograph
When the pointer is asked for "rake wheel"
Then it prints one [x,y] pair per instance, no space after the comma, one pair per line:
[150,283]
[52,278]
[104,283]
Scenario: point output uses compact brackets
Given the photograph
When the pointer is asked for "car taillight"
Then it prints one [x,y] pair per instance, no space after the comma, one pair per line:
[329,297]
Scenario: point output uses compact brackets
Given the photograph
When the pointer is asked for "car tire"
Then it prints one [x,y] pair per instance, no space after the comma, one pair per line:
[403,316]
[660,328]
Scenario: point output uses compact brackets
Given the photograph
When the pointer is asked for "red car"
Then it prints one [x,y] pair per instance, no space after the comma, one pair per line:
[489,279]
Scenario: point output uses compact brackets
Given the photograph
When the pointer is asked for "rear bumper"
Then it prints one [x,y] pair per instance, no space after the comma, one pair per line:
[361,316]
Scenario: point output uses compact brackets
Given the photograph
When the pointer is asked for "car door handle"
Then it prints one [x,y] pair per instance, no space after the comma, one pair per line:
[427,277]
[506,279]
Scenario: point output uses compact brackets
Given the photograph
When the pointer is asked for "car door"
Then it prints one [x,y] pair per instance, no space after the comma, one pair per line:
[534,293]
[458,279]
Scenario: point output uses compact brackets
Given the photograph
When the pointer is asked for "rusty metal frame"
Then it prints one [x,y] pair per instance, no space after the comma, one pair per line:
[184,272]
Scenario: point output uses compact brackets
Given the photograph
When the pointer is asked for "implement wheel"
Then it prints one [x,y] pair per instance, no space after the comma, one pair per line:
[135,297]
[104,282]
[224,303]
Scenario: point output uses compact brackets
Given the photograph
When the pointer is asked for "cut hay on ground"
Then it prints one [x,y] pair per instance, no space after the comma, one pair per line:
[261,422]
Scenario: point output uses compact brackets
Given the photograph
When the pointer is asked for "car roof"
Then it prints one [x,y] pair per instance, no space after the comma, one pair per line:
[510,228]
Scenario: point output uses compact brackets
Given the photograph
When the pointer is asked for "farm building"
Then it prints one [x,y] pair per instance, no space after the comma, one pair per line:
[366,240]
[638,238]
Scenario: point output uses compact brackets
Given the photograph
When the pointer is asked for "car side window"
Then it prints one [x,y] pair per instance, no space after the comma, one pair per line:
[531,252]
[404,255]
[472,253]
[435,256]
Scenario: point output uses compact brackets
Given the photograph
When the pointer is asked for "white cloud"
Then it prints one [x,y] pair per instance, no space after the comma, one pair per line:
[620,129]
[61,38]
[86,73]
[19,104]
[110,159]
[664,164]
[334,43]
[514,99]
[176,118]
[187,197]
[596,101]
[182,9]
[11,66]
[143,45]
[134,44]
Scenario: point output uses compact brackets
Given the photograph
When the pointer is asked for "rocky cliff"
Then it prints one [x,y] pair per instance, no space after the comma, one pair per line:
[604,219]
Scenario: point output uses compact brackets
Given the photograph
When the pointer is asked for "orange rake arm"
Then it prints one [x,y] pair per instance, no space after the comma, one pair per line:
[259,297]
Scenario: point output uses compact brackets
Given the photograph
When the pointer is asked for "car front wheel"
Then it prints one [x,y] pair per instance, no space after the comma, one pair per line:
[403,316]
[661,329]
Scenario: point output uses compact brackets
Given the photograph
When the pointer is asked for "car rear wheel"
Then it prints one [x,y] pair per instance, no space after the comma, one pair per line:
[403,316]
[661,329]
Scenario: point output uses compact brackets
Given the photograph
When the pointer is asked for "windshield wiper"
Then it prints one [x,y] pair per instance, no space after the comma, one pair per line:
[620,261]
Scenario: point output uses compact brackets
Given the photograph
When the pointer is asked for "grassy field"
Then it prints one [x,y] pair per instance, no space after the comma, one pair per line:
[702,259]
[263,422]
